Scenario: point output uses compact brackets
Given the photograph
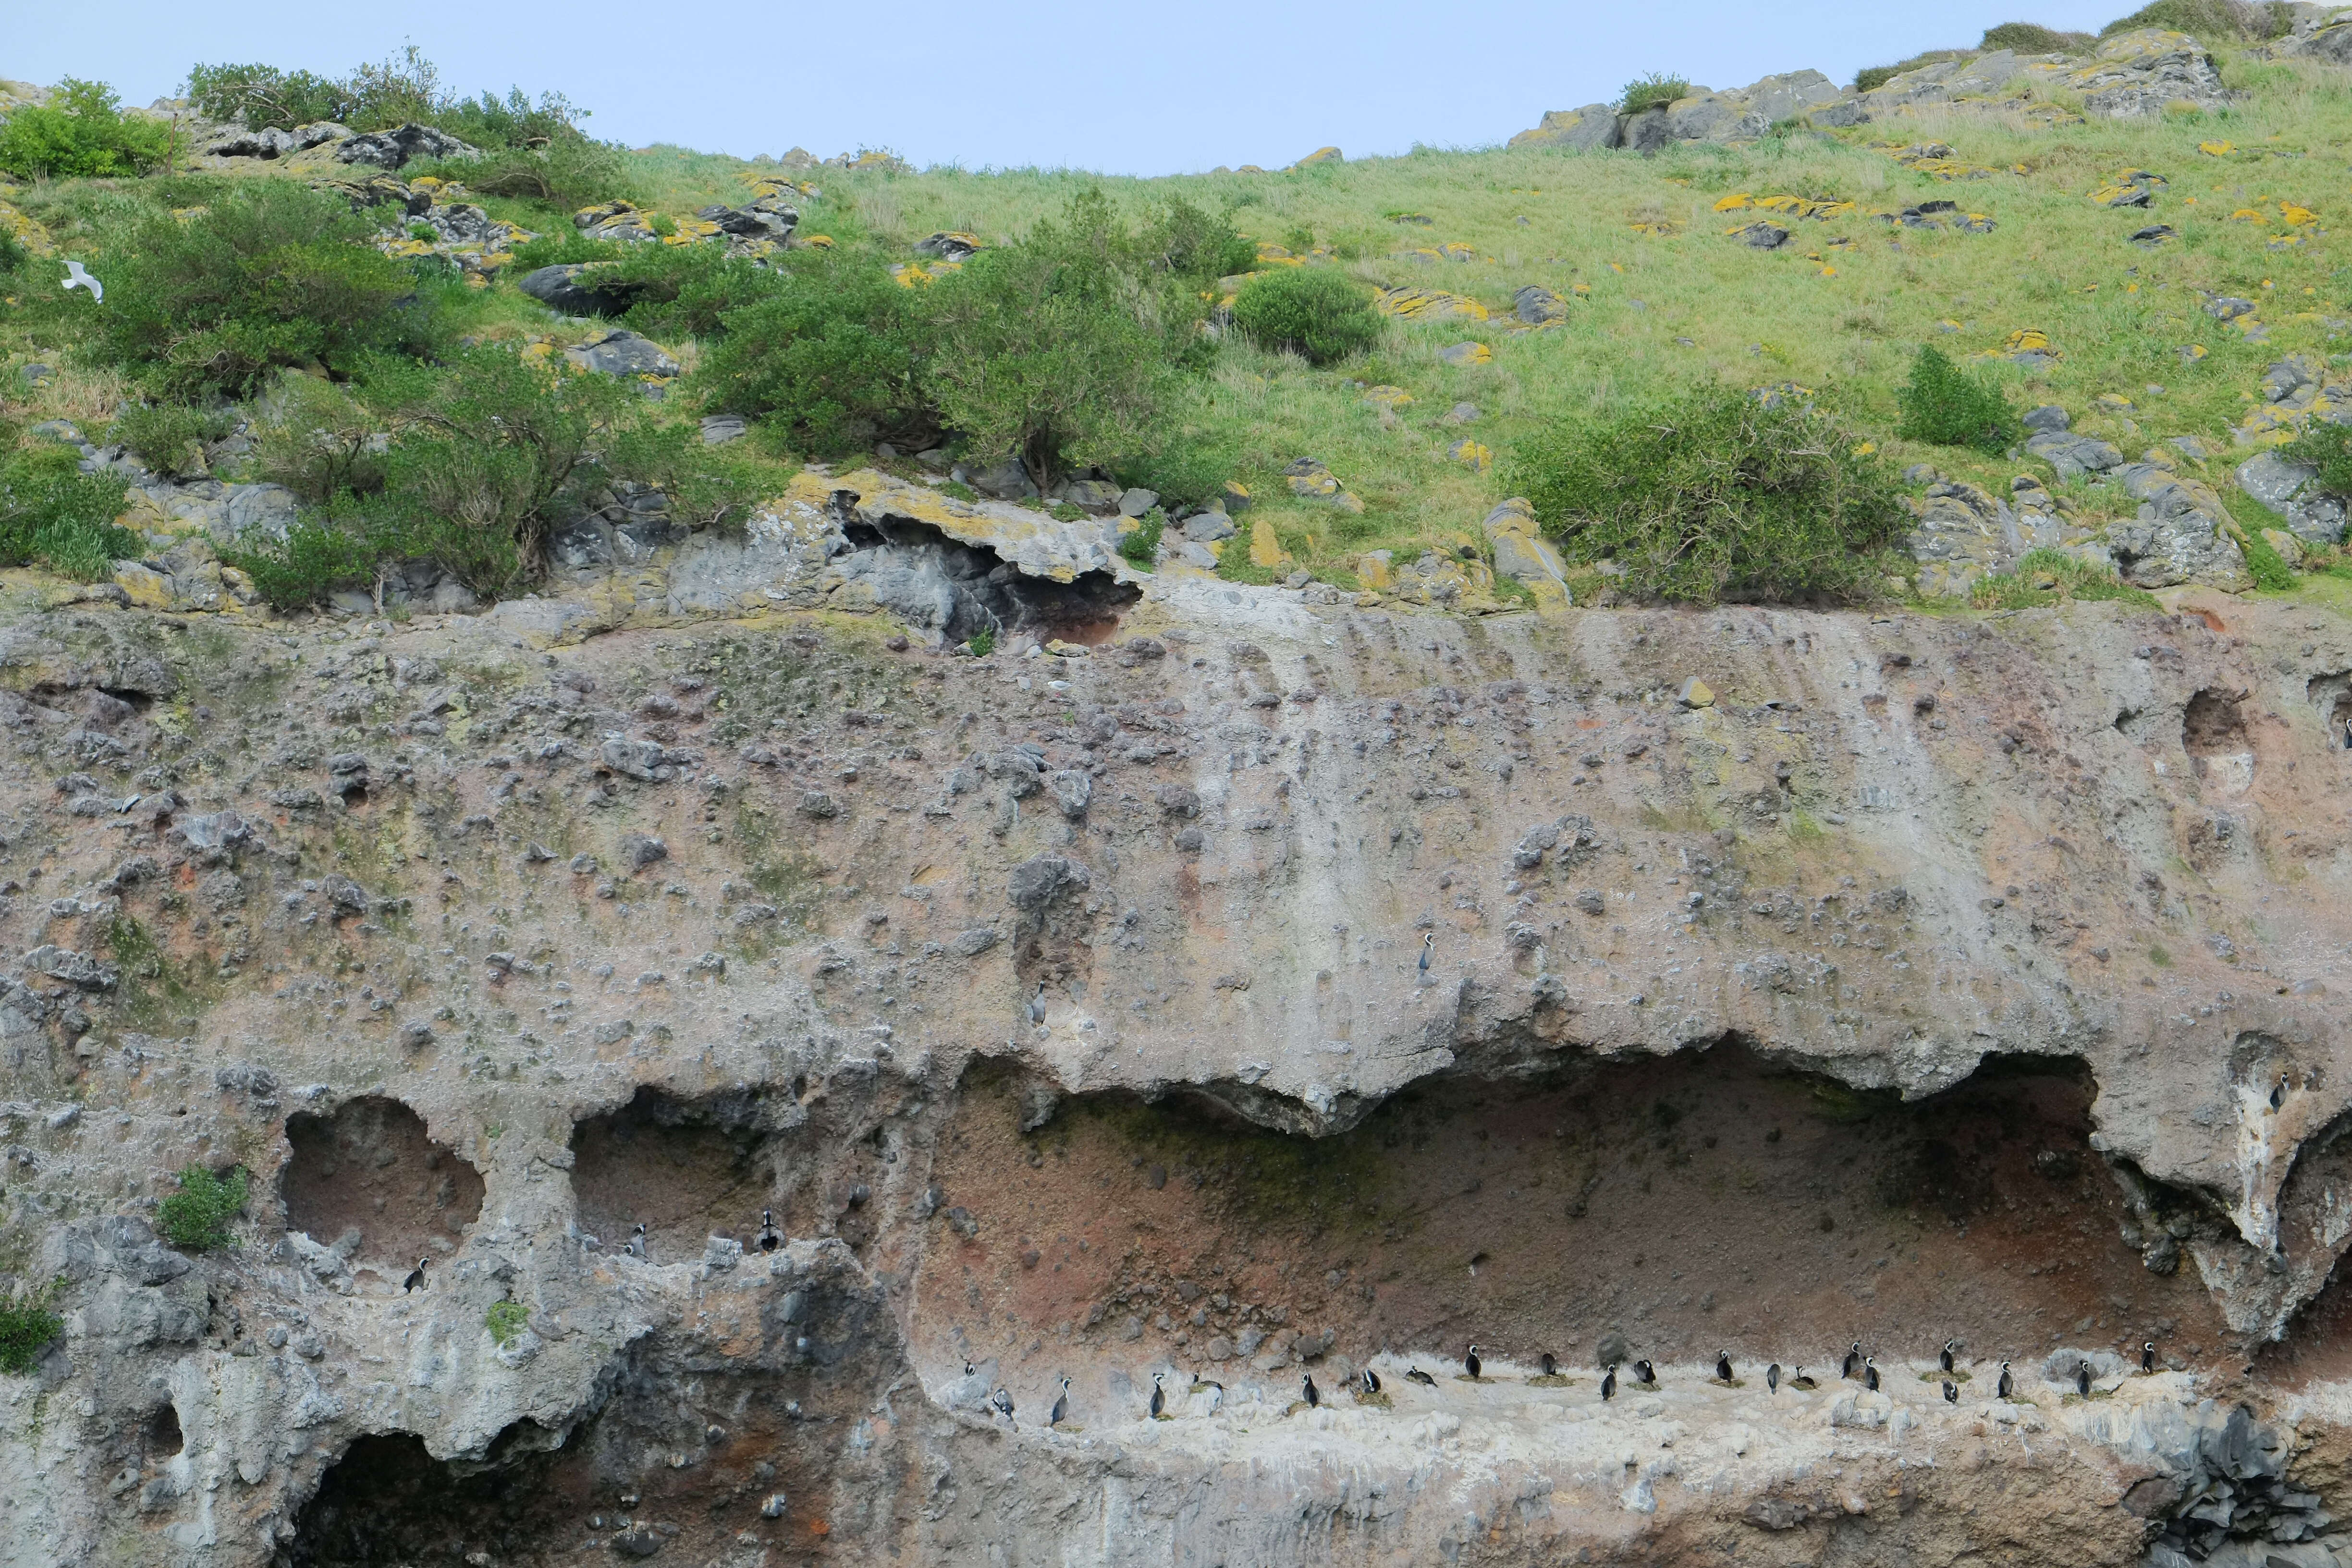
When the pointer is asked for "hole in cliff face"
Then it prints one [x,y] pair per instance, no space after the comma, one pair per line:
[2213,733]
[160,1433]
[761,1422]
[370,1167]
[688,1170]
[1699,1202]
[955,590]
[2332,695]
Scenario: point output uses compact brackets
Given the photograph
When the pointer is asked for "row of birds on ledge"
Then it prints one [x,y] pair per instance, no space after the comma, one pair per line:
[1857,1367]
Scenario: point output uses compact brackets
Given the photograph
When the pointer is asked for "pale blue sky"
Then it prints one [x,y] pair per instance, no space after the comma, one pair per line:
[1120,89]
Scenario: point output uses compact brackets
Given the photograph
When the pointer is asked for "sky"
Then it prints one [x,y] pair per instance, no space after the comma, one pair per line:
[1122,89]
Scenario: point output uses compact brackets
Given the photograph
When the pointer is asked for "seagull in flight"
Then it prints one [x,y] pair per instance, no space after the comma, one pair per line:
[78,276]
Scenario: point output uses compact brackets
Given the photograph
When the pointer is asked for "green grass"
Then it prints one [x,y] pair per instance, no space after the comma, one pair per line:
[2046,578]
[196,1218]
[505,1322]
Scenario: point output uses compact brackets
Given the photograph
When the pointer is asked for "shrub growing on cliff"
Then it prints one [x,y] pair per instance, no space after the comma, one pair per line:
[1312,312]
[171,437]
[834,359]
[1651,91]
[2033,39]
[268,276]
[80,132]
[2212,21]
[2327,448]
[1945,405]
[28,1324]
[1060,349]
[53,514]
[197,1216]
[1714,496]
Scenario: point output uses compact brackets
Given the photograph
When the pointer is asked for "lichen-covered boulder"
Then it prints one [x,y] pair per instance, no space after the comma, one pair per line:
[1522,553]
[2147,70]
[1578,130]
[2287,488]
[623,353]
[2180,534]
[395,148]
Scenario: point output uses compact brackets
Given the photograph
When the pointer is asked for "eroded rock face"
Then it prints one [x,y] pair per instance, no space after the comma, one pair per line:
[1790,979]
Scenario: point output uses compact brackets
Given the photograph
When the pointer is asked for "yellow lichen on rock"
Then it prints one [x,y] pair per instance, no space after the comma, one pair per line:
[1320,156]
[2217,149]
[1387,397]
[1264,545]
[1430,305]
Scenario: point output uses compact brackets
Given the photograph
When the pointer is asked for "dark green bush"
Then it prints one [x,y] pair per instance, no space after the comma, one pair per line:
[1714,496]
[1311,311]
[1945,405]
[171,437]
[2327,448]
[263,97]
[1192,243]
[1878,76]
[2211,21]
[317,442]
[401,89]
[271,275]
[13,253]
[318,557]
[1061,349]
[568,174]
[1141,547]
[686,291]
[2033,39]
[54,515]
[196,1218]
[506,1320]
[834,360]
[80,132]
[28,1324]
[1651,91]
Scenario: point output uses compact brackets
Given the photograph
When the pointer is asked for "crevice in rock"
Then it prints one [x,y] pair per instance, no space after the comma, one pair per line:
[961,590]
[2332,695]
[1708,1200]
[368,1179]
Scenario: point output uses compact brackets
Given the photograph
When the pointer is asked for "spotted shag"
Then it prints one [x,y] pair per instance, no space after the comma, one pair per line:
[1772,1378]
[415,1276]
[1307,1389]
[1428,941]
[2148,1356]
[1550,1365]
[1723,1366]
[1037,1005]
[1870,1373]
[1801,1382]
[1643,1372]
[1609,1385]
[1946,1359]
[769,1237]
[2083,1378]
[1470,1364]
[1951,1391]
[1414,1375]
[1158,1395]
[1004,1402]
[1371,1380]
[1061,1406]
[2007,1385]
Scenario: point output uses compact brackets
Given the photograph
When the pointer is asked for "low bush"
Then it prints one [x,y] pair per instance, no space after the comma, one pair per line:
[1061,350]
[569,173]
[54,515]
[317,557]
[171,437]
[2033,39]
[1872,76]
[2212,21]
[834,359]
[271,275]
[686,291]
[1946,407]
[2326,447]
[505,1320]
[1313,311]
[316,440]
[1191,242]
[28,1325]
[1714,496]
[80,132]
[1140,547]
[1651,91]
[197,1216]
[400,88]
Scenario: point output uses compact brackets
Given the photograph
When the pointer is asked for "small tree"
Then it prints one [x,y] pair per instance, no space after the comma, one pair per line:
[1060,349]
[1717,496]
[80,132]
[197,1216]
[1310,311]
[1945,405]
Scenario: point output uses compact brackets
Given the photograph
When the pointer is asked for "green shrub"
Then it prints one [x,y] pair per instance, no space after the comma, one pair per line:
[2033,39]
[1714,496]
[315,558]
[1060,350]
[2327,448]
[13,253]
[513,121]
[80,132]
[28,1324]
[686,291]
[197,1216]
[54,515]
[1946,406]
[1314,312]
[487,457]
[1651,91]
[2264,564]
[570,172]
[270,275]
[983,642]
[1190,242]
[2212,21]
[403,88]
[262,97]
[1140,547]
[833,359]
[707,487]
[316,440]
[171,437]
[505,1320]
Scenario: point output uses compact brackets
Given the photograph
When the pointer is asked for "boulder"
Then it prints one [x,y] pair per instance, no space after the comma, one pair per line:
[272,141]
[572,288]
[948,246]
[753,222]
[1536,305]
[2178,536]
[2322,33]
[1208,527]
[2071,455]
[623,353]
[1578,130]
[2285,487]
[2141,73]
[1521,552]
[394,149]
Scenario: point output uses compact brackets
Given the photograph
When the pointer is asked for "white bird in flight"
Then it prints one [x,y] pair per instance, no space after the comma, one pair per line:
[78,276]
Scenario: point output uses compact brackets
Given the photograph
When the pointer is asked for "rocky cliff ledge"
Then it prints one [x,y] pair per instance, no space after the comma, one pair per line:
[1792,978]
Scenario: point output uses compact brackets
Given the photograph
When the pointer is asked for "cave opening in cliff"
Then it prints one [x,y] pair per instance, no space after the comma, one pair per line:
[959,590]
[1703,1201]
[368,1178]
[159,1434]
[688,1169]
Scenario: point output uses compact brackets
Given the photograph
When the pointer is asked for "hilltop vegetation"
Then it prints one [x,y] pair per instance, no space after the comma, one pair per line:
[1375,352]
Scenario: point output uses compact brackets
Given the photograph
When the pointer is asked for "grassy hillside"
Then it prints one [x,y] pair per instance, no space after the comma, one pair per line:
[1663,296]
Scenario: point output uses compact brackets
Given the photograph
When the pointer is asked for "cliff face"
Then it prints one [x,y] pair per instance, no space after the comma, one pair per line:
[1792,978]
